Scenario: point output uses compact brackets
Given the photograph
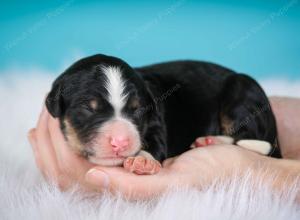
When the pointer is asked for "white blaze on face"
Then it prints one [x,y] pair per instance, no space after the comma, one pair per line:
[115,87]
[118,138]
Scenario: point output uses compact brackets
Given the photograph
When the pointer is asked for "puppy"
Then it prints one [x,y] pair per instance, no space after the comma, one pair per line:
[114,114]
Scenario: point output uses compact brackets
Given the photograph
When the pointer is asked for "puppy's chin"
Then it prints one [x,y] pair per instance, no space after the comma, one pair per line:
[107,161]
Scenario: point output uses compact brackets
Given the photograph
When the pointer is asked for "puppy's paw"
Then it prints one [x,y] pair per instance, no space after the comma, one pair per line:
[212,140]
[261,147]
[142,165]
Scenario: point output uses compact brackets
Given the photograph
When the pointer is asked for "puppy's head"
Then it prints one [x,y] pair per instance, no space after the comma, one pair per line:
[99,101]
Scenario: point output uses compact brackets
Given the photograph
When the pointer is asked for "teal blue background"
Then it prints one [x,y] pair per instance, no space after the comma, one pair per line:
[261,38]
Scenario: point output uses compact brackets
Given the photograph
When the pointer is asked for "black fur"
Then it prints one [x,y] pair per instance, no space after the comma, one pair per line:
[179,101]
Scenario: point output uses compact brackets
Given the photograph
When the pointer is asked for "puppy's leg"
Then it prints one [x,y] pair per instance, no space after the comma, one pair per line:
[212,140]
[261,147]
[142,164]
[246,115]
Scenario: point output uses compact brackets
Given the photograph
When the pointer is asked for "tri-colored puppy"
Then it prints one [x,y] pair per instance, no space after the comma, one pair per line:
[114,114]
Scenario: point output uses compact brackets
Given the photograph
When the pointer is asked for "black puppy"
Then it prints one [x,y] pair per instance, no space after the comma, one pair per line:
[114,114]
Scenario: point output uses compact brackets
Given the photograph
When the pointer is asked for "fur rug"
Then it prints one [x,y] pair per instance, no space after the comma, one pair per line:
[24,194]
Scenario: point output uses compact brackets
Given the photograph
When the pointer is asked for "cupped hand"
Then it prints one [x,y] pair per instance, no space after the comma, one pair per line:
[197,167]
[53,157]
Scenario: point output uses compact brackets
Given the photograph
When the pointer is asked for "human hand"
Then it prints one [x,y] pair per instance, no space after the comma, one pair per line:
[197,168]
[53,156]
[287,112]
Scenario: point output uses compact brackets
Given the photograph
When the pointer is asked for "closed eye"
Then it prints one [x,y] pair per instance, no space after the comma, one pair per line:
[86,110]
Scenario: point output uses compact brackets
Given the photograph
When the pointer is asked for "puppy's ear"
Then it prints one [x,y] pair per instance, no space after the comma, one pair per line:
[54,101]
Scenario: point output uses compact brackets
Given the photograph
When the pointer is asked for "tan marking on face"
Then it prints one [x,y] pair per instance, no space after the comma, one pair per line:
[227,125]
[94,104]
[72,137]
[134,104]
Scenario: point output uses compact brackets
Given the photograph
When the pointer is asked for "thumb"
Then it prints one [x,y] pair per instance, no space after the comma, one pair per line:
[132,186]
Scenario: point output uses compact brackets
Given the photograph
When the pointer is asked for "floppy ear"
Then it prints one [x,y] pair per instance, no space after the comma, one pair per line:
[54,101]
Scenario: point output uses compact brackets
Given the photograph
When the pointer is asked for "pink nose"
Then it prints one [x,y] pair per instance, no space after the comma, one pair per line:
[119,143]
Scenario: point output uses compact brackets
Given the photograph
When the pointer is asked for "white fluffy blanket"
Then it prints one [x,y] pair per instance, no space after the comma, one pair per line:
[24,194]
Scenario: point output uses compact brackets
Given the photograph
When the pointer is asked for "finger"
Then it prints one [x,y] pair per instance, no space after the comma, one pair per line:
[132,186]
[45,147]
[32,140]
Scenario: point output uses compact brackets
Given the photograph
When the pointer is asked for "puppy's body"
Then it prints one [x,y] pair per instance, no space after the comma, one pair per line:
[108,108]
[200,99]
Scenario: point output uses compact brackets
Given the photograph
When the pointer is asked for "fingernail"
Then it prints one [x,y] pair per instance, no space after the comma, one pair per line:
[97,177]
[30,136]
[30,132]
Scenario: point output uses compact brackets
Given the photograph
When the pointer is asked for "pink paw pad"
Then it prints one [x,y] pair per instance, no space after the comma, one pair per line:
[142,165]
[204,141]
[211,140]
